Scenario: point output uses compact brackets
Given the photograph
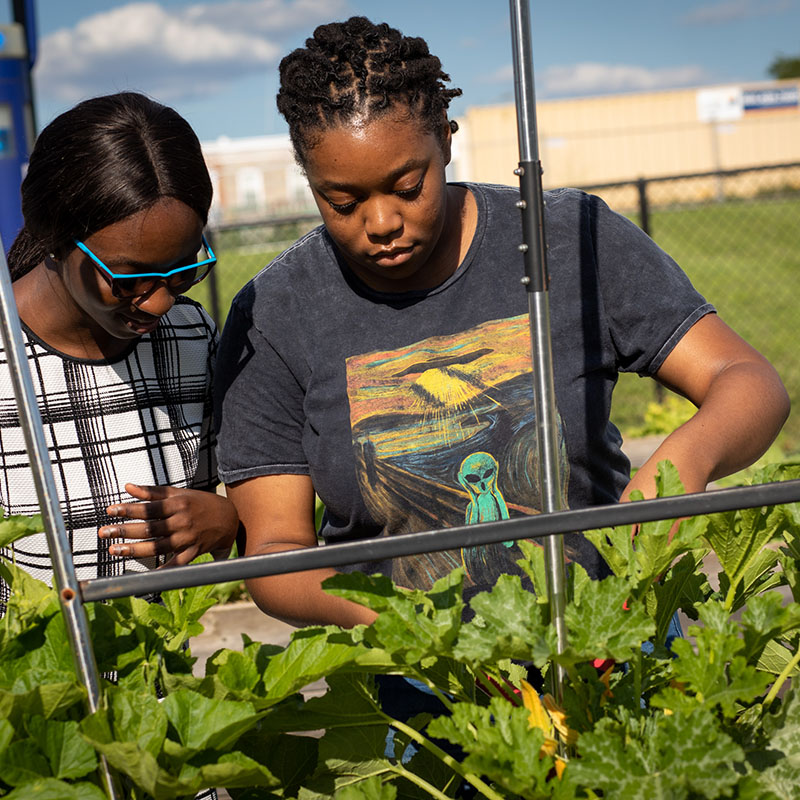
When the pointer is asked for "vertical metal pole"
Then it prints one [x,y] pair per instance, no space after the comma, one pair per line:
[534,250]
[213,286]
[66,582]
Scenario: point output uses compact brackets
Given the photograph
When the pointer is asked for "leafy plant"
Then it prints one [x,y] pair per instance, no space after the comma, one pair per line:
[714,716]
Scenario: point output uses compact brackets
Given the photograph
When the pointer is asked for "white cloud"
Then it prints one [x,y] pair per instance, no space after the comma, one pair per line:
[733,10]
[173,53]
[590,78]
[502,75]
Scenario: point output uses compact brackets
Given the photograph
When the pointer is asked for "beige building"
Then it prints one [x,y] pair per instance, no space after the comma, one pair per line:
[600,140]
[582,142]
[255,178]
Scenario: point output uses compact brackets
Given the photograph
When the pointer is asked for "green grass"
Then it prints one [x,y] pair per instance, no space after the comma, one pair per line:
[233,270]
[743,255]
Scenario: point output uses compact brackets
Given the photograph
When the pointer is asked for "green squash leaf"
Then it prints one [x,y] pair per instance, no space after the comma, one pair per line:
[500,745]
[53,789]
[68,754]
[507,624]
[674,756]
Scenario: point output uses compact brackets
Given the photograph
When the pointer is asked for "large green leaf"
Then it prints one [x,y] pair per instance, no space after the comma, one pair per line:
[764,619]
[599,625]
[311,654]
[760,575]
[780,779]
[16,527]
[370,789]
[53,789]
[350,702]
[348,756]
[507,624]
[717,674]
[135,717]
[22,762]
[236,671]
[46,693]
[739,539]
[142,768]
[775,658]
[203,722]
[68,754]
[233,769]
[500,745]
[412,624]
[673,757]
[289,758]
[30,604]
[656,546]
[681,587]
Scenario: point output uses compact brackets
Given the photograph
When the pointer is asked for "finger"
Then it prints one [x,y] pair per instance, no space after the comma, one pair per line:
[149,510]
[150,548]
[182,558]
[150,492]
[151,529]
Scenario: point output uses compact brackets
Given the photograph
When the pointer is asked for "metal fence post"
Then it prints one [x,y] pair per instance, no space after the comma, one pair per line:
[213,286]
[644,206]
[65,579]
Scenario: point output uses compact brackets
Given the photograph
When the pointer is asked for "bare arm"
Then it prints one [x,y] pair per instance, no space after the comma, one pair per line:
[741,402]
[277,512]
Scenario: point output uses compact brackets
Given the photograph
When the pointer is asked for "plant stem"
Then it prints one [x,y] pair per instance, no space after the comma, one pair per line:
[423,741]
[731,596]
[637,680]
[399,769]
[439,694]
[781,679]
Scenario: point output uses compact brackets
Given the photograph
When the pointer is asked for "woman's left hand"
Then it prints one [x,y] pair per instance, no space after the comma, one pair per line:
[182,522]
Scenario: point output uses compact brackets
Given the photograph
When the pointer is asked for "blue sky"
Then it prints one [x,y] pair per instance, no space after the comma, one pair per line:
[216,61]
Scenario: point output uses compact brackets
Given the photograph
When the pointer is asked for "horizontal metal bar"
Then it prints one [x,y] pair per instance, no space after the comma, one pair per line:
[717,173]
[339,555]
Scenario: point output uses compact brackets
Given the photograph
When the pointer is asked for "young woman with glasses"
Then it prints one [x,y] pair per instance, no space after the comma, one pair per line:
[115,201]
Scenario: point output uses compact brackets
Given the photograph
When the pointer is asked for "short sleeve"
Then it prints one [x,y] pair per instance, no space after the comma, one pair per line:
[258,403]
[649,302]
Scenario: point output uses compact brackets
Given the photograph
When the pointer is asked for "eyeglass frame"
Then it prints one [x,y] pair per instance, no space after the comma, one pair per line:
[111,276]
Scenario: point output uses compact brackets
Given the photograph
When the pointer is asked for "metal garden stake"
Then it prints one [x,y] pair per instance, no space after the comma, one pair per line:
[66,582]
[534,252]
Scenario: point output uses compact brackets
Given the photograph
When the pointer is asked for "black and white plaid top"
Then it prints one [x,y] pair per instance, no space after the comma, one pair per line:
[143,417]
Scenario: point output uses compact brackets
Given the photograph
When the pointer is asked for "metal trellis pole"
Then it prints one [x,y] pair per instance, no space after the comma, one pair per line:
[66,582]
[534,251]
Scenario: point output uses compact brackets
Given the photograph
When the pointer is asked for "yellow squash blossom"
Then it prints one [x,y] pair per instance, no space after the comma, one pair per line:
[548,718]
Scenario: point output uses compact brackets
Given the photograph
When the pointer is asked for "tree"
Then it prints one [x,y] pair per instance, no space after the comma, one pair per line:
[785,67]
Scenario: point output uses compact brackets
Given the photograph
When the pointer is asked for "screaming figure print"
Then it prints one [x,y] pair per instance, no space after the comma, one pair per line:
[444,435]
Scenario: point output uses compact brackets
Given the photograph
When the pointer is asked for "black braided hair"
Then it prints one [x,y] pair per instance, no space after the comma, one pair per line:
[359,67]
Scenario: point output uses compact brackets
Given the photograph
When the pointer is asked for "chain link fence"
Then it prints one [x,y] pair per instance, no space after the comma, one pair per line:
[736,234]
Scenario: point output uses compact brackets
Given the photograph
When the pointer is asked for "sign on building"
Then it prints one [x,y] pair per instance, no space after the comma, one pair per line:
[771,97]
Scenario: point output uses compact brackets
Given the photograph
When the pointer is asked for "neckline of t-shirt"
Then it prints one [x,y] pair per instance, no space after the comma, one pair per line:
[97,362]
[420,294]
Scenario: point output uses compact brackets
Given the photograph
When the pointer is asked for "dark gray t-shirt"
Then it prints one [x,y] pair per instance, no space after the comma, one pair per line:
[414,411]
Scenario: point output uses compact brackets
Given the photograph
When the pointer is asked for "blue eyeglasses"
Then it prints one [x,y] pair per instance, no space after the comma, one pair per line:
[137,284]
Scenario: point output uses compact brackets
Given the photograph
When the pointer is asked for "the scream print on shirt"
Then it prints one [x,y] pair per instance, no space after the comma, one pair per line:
[444,435]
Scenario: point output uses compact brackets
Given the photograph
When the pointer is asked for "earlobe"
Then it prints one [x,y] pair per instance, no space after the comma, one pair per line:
[447,141]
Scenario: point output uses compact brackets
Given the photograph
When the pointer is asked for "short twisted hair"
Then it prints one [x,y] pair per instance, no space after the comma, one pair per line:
[357,68]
